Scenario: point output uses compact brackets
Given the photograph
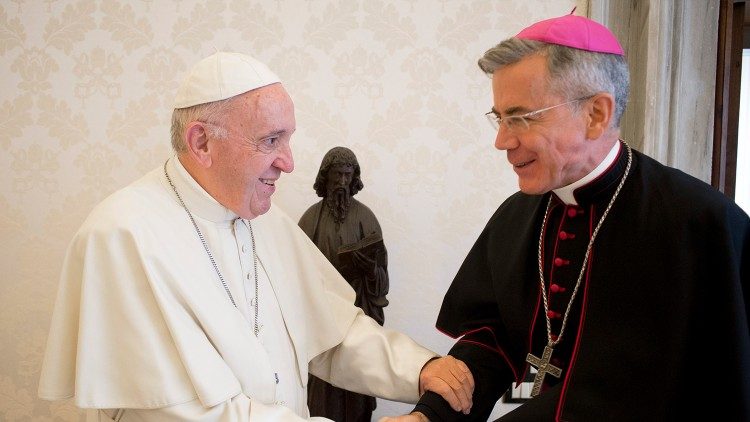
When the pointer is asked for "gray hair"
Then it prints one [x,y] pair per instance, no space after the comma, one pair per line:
[213,112]
[573,73]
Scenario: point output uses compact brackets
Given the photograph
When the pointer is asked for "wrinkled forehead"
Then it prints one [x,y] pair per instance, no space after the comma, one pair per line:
[268,99]
[267,109]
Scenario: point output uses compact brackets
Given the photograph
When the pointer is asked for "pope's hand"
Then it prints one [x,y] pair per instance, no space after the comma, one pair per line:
[412,417]
[450,378]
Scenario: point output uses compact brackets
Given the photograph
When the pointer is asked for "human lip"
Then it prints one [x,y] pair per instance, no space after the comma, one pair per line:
[521,164]
[269,182]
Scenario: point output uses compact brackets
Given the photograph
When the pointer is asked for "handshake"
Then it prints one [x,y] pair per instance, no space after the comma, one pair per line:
[450,378]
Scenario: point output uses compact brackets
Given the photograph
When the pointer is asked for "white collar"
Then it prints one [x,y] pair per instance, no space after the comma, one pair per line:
[565,193]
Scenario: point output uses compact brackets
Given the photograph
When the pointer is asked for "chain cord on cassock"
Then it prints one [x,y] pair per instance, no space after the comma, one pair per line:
[542,363]
[211,257]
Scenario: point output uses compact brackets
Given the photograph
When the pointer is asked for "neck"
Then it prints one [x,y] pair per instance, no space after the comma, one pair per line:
[196,171]
[207,180]
[598,150]
[566,193]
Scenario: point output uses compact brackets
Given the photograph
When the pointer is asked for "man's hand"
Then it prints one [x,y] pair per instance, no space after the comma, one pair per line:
[450,378]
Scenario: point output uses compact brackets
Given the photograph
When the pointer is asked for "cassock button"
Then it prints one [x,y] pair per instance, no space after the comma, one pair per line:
[553,337]
[565,235]
[572,212]
[556,288]
[244,248]
[553,314]
[559,262]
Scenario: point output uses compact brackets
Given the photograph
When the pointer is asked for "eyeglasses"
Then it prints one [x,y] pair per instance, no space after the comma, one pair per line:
[521,122]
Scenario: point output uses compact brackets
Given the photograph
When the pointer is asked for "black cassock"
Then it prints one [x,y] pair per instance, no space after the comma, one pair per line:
[659,327]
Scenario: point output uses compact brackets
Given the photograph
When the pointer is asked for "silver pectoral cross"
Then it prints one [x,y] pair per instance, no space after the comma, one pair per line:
[543,368]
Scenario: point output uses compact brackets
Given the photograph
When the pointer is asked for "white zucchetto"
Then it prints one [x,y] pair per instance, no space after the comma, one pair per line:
[220,76]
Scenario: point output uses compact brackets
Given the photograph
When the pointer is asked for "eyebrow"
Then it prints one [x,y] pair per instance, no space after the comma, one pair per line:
[512,111]
[274,133]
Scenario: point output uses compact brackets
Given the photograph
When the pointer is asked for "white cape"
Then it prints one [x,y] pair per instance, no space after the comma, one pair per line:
[141,320]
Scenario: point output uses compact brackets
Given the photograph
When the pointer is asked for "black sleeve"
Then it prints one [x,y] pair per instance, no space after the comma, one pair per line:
[492,377]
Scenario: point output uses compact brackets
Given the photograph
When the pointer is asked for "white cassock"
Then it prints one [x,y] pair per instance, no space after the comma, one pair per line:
[143,323]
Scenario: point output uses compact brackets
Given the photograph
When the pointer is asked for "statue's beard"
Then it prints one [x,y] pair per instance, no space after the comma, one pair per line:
[338,202]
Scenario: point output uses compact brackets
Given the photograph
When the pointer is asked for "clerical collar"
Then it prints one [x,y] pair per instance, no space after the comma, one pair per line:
[566,193]
[196,198]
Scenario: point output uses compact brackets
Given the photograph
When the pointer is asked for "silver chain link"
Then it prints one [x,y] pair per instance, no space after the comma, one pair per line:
[211,257]
[550,342]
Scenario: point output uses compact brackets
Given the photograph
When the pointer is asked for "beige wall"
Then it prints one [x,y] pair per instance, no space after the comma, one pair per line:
[85,104]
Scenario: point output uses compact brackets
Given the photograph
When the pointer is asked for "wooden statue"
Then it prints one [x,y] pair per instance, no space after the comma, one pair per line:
[349,235]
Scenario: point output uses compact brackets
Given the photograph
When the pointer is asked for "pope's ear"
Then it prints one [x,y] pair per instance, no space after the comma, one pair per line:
[196,141]
[601,111]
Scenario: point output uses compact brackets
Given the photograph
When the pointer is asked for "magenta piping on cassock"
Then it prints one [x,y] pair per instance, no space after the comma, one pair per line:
[497,349]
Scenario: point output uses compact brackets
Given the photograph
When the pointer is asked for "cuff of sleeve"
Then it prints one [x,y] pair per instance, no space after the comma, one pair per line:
[435,408]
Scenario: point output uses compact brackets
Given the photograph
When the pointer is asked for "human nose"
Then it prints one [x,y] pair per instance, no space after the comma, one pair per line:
[505,139]
[285,161]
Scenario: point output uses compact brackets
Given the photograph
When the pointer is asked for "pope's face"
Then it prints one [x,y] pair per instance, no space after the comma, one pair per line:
[250,160]
[549,154]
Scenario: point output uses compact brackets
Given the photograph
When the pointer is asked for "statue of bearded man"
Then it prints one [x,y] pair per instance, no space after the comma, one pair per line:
[349,235]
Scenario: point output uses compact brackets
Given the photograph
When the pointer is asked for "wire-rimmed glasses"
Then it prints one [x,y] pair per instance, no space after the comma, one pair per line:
[520,122]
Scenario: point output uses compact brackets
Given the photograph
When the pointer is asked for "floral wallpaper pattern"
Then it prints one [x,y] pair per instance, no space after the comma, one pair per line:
[85,106]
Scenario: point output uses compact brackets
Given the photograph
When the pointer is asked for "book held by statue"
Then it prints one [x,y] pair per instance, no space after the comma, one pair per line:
[370,246]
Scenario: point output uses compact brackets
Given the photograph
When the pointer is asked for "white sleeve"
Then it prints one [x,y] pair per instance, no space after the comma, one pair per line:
[238,409]
[375,361]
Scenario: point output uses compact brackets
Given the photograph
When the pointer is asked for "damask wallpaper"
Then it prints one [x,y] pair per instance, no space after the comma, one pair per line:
[85,104]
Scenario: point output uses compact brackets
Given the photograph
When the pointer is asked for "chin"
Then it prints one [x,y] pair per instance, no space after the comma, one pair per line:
[528,189]
[258,210]
[536,185]
[533,189]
